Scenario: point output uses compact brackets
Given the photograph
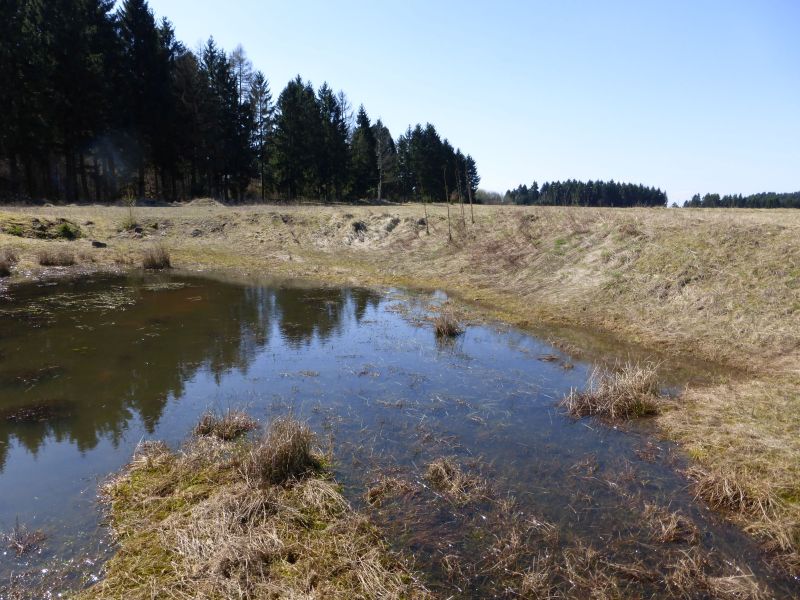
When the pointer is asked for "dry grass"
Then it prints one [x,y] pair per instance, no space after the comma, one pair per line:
[156,258]
[669,526]
[718,284]
[8,258]
[687,578]
[447,477]
[48,257]
[387,487]
[284,454]
[745,439]
[446,325]
[230,425]
[623,392]
[193,525]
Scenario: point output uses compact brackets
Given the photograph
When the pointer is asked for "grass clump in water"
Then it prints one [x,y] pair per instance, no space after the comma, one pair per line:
[198,524]
[624,392]
[22,540]
[283,454]
[228,426]
[55,258]
[446,476]
[156,258]
[447,326]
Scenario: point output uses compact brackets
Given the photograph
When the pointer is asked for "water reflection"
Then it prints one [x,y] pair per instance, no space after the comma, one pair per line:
[61,355]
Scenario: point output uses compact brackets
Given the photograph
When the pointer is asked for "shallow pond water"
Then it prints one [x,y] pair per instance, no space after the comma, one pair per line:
[90,367]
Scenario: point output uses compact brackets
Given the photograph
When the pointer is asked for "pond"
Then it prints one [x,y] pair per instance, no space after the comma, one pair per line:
[91,367]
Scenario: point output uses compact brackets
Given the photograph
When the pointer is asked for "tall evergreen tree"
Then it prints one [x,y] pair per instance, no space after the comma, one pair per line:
[363,160]
[261,104]
[297,139]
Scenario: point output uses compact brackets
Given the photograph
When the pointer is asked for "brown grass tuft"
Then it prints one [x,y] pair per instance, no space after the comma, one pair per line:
[669,526]
[625,392]
[8,258]
[191,525]
[228,426]
[156,257]
[55,258]
[447,477]
[447,326]
[284,453]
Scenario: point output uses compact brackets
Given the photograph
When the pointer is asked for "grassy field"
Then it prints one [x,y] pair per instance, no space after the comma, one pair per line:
[720,285]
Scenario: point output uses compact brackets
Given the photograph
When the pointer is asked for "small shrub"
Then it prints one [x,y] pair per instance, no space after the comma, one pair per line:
[284,453]
[229,426]
[55,258]
[447,326]
[15,230]
[68,231]
[156,257]
[622,393]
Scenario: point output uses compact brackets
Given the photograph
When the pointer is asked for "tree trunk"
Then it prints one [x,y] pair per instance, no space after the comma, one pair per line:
[71,187]
[471,210]
[447,200]
[84,181]
[97,181]
[141,178]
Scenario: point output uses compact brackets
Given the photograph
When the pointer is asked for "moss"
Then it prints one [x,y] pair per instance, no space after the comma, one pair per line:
[68,231]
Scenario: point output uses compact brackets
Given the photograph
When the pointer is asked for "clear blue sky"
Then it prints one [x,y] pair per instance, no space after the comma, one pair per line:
[690,96]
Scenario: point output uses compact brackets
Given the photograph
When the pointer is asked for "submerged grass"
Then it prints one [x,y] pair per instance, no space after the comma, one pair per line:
[449,478]
[239,519]
[623,392]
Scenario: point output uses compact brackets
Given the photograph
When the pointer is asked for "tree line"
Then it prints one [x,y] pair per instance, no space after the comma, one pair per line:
[98,104]
[590,193]
[761,200]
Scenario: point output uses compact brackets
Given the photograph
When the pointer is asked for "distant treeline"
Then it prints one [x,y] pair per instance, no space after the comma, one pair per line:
[762,200]
[590,193]
[98,104]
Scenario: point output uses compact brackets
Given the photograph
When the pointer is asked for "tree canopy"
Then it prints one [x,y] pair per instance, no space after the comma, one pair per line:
[101,101]
[590,193]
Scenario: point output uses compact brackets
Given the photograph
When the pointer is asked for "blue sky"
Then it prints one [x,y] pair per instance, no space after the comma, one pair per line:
[691,97]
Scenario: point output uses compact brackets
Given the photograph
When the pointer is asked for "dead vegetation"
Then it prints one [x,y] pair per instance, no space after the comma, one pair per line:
[449,478]
[621,392]
[156,258]
[199,524]
[446,325]
[21,540]
[717,284]
[669,526]
[48,257]
[8,258]
[230,425]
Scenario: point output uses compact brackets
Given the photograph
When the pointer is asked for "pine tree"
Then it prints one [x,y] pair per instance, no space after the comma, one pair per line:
[363,161]
[261,103]
[385,156]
